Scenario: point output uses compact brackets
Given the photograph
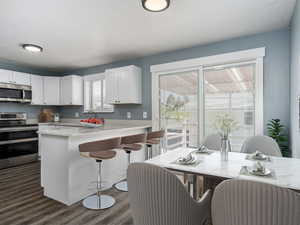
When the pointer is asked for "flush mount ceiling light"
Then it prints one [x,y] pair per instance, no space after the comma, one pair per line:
[156,5]
[32,48]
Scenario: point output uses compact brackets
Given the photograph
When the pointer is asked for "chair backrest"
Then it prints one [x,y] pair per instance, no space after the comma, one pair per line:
[213,142]
[102,145]
[156,134]
[132,139]
[241,202]
[263,144]
[157,197]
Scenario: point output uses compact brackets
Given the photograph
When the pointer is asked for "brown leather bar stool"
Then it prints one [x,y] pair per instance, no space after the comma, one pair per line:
[154,138]
[99,150]
[129,144]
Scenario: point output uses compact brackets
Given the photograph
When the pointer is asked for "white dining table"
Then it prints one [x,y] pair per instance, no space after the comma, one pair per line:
[286,171]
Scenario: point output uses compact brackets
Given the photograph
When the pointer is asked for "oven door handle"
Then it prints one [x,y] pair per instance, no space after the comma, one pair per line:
[16,129]
[18,141]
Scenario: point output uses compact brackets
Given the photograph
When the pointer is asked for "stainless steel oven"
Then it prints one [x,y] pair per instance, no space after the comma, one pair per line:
[18,140]
[15,93]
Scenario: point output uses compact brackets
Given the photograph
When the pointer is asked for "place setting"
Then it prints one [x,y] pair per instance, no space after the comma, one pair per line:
[258,156]
[203,150]
[257,169]
[188,160]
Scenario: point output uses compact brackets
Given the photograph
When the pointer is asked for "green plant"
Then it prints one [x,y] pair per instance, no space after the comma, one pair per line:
[277,131]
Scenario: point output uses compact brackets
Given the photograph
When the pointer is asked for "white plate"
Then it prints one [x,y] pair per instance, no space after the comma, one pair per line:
[258,173]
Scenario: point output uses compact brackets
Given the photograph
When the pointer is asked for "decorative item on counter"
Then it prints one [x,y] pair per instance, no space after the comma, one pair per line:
[224,124]
[45,116]
[92,122]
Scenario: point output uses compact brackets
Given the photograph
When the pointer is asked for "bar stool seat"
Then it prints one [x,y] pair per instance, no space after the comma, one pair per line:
[129,144]
[132,147]
[99,150]
[153,141]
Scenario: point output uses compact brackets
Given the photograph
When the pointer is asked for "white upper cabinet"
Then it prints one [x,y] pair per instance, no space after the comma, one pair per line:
[21,78]
[71,90]
[37,90]
[12,77]
[51,90]
[124,85]
[6,76]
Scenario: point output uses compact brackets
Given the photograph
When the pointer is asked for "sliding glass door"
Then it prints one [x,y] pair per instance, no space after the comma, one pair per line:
[230,90]
[178,108]
[186,103]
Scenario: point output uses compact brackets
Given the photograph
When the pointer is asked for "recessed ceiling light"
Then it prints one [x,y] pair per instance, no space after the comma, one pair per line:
[156,5]
[32,48]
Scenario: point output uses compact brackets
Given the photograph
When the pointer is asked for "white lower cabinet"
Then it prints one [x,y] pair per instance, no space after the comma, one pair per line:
[51,90]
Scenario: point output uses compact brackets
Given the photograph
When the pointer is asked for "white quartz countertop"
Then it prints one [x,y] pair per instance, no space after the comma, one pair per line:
[76,129]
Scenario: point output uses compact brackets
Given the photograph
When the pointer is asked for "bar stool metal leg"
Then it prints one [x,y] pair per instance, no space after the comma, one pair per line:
[123,186]
[99,201]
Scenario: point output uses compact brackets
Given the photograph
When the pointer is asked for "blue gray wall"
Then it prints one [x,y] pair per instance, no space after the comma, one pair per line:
[295,85]
[276,73]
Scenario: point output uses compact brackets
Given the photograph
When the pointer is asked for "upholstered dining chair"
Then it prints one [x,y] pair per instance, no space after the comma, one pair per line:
[157,197]
[241,202]
[213,141]
[263,144]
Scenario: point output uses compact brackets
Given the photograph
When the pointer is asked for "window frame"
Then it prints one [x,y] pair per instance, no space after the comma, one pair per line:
[93,78]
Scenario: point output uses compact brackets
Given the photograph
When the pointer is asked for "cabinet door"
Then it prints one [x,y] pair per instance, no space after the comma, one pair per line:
[112,86]
[77,90]
[37,90]
[51,90]
[66,90]
[130,86]
[21,78]
[6,76]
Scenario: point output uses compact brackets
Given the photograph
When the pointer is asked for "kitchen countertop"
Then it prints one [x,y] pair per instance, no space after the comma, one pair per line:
[76,129]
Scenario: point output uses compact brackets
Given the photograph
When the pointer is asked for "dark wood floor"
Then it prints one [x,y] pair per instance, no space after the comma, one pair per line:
[22,203]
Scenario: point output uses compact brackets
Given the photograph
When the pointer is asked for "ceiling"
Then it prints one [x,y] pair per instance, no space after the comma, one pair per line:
[83,33]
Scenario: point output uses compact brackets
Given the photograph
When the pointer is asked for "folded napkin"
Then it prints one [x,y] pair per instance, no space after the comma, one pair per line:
[258,156]
[188,160]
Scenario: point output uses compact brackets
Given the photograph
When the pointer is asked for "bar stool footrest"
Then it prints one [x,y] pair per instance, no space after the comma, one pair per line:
[122,186]
[92,202]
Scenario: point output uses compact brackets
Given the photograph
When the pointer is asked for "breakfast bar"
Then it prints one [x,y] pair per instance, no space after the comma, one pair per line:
[65,175]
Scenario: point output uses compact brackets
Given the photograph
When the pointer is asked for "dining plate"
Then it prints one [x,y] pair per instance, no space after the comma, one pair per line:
[255,172]
[189,162]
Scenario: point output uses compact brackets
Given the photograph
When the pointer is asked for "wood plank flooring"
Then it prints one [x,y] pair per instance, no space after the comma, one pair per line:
[22,203]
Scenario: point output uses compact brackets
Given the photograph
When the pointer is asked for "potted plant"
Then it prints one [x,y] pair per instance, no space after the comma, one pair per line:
[277,131]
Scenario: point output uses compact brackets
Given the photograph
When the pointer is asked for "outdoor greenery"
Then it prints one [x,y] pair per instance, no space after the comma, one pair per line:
[277,131]
[225,124]
[174,108]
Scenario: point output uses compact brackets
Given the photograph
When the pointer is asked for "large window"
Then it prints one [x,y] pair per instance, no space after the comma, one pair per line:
[94,94]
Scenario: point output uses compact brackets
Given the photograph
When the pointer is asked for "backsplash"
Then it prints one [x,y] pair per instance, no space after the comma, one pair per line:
[120,112]
[31,110]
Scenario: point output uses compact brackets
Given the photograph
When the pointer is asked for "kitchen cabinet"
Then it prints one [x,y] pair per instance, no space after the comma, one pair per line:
[37,90]
[51,90]
[6,76]
[21,78]
[71,90]
[13,77]
[124,85]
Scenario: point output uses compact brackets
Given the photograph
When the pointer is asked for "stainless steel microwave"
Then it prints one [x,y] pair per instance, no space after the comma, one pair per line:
[15,93]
